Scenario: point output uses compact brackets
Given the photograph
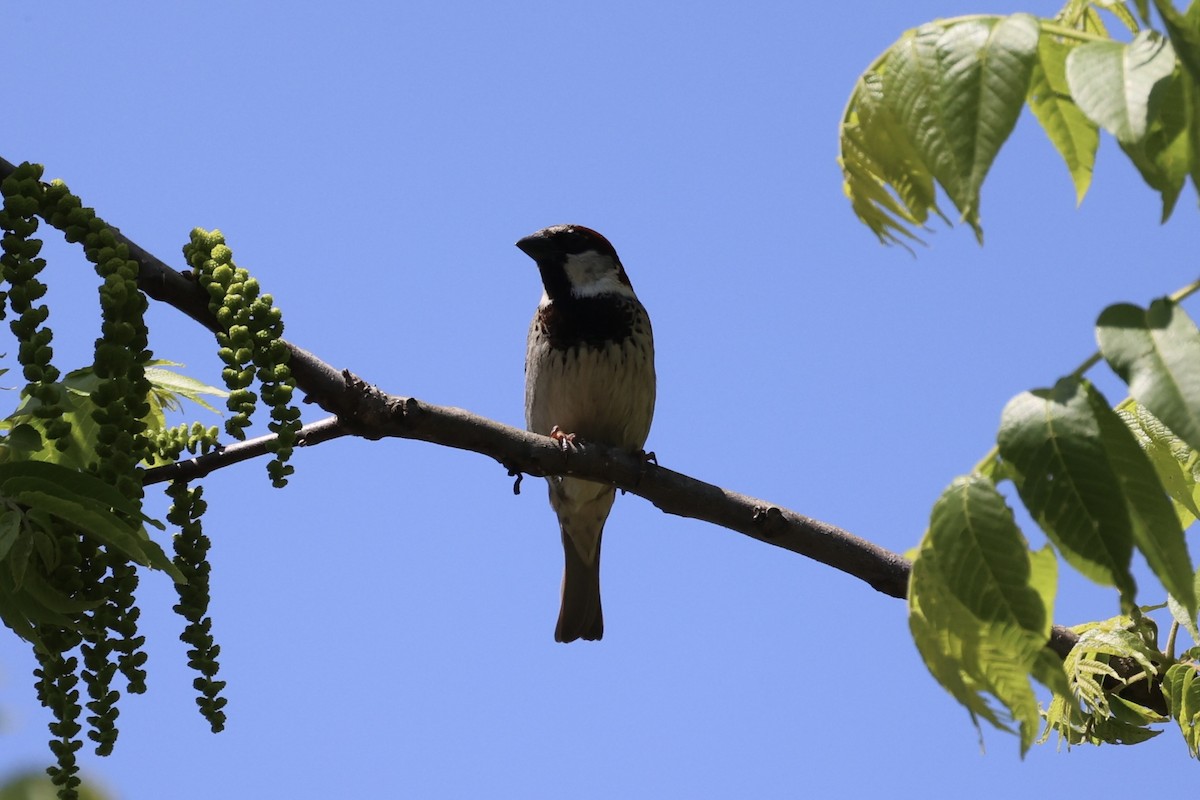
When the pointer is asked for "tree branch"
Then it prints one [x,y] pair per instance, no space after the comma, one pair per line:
[364,410]
[190,469]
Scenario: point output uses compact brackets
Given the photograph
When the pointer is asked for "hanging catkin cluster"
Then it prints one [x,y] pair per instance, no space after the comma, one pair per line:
[250,345]
[72,459]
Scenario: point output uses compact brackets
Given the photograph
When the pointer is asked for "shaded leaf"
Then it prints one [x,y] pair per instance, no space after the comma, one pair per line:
[1156,529]
[10,529]
[1184,33]
[53,600]
[107,528]
[73,482]
[1164,155]
[1052,440]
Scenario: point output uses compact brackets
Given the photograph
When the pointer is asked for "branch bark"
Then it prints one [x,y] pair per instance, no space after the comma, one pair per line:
[363,410]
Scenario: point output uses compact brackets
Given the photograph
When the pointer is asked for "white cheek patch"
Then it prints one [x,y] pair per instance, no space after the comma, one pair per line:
[591,274]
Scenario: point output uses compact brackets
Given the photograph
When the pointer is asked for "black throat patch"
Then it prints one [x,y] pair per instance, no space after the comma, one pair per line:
[586,321]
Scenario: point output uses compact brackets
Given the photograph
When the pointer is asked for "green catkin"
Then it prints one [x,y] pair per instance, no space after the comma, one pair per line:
[112,643]
[191,558]
[20,265]
[72,564]
[103,642]
[56,687]
[250,346]
[169,444]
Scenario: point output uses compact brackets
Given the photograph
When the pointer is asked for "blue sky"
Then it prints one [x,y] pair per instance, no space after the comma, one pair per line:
[387,621]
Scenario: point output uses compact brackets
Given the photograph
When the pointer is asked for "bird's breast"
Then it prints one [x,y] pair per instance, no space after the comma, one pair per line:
[601,388]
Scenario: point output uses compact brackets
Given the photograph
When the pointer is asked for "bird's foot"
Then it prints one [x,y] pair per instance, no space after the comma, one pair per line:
[565,440]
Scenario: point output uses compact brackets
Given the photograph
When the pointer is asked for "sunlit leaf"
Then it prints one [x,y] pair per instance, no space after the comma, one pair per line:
[1181,614]
[1112,82]
[876,153]
[937,106]
[978,606]
[169,386]
[1171,458]
[958,91]
[1071,132]
[1121,11]
[1181,685]
[1157,352]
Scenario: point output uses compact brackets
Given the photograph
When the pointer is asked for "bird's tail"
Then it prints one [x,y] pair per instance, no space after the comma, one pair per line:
[580,616]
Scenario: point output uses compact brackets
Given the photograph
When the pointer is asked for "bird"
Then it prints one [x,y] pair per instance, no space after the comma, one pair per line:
[589,377]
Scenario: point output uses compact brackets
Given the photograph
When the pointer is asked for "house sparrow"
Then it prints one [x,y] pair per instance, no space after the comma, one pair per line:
[589,373]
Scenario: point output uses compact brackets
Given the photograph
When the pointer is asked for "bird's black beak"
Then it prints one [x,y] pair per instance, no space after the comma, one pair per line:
[533,245]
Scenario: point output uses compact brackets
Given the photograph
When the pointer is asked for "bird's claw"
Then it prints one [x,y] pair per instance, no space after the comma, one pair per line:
[565,440]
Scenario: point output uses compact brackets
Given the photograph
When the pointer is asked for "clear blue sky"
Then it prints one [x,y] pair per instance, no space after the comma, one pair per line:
[386,621]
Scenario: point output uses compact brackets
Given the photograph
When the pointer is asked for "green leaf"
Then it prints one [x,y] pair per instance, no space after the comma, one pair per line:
[1157,352]
[1181,687]
[105,528]
[1119,10]
[1185,617]
[1156,529]
[1164,155]
[1184,32]
[943,648]
[958,91]
[1171,457]
[1191,91]
[1143,7]
[10,529]
[22,613]
[936,106]
[72,482]
[979,606]
[1112,82]
[984,558]
[1102,715]
[19,556]
[877,153]
[1071,132]
[23,441]
[92,519]
[53,600]
[1052,440]
[168,384]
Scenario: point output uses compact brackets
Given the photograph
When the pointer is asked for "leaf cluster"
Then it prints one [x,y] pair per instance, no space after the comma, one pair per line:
[1101,483]
[936,107]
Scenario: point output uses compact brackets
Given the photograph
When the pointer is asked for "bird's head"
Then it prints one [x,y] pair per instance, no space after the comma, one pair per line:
[576,262]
